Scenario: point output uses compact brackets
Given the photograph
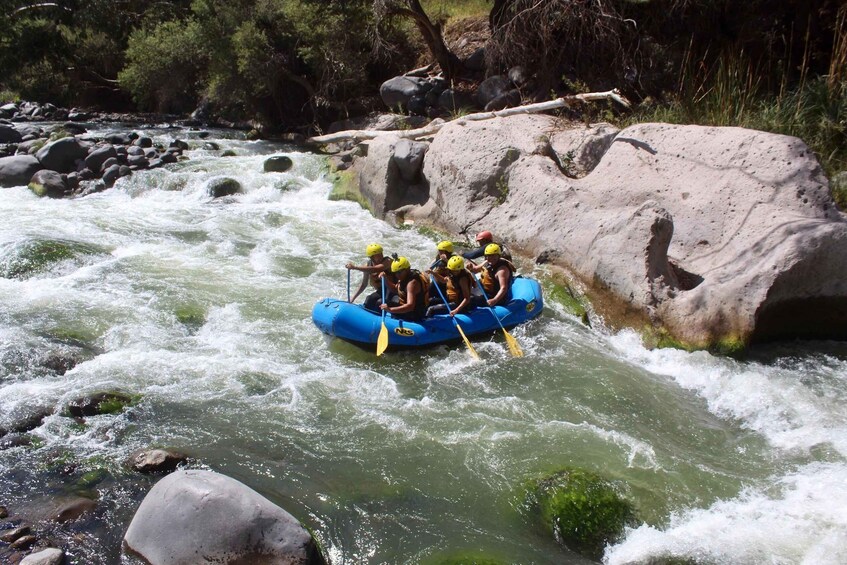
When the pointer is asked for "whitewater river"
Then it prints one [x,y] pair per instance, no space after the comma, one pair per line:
[202,308]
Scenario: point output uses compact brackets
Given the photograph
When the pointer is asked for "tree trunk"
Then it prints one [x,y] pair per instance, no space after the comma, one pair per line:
[360,135]
[431,32]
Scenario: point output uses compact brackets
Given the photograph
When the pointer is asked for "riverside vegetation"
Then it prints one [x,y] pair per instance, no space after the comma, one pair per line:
[293,63]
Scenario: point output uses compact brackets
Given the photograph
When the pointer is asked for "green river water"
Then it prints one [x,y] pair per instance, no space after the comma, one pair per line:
[202,308]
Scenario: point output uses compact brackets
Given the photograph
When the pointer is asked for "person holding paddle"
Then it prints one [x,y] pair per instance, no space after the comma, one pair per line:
[376,265]
[459,284]
[439,270]
[411,288]
[497,275]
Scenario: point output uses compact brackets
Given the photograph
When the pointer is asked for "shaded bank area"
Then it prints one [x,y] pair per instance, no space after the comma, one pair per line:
[702,238]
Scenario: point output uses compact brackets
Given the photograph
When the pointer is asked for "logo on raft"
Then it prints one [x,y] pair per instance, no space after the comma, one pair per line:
[404,331]
[531,306]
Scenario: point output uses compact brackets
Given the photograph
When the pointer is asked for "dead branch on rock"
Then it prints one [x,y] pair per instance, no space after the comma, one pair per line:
[361,135]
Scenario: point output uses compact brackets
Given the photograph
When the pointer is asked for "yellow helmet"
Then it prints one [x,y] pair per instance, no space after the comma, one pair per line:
[400,264]
[492,249]
[373,249]
[456,263]
[445,246]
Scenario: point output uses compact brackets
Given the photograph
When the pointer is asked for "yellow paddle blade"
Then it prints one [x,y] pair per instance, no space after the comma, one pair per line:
[513,345]
[468,343]
[382,340]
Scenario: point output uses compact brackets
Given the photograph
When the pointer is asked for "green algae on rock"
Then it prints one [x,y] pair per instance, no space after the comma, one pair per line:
[582,510]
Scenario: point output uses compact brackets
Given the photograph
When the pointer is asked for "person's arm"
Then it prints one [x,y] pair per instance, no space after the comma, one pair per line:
[466,292]
[411,294]
[473,267]
[389,284]
[362,286]
[503,278]
[366,268]
[475,253]
[440,279]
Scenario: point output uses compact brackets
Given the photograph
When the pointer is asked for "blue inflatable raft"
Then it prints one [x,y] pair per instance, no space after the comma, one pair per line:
[351,322]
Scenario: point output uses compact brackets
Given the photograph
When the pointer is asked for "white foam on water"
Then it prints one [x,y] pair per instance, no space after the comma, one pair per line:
[801,518]
[775,402]
[798,517]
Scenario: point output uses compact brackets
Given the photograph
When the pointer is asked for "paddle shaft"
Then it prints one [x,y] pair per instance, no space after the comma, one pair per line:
[455,321]
[511,341]
[348,285]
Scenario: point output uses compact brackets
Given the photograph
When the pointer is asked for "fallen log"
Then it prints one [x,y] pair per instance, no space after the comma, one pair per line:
[361,135]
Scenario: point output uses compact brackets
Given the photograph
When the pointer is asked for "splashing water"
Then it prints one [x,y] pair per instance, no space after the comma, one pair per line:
[202,308]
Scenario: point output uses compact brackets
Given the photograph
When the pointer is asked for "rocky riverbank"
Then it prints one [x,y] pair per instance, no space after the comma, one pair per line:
[702,238]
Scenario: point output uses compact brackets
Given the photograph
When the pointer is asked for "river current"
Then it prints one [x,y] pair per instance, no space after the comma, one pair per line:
[201,308]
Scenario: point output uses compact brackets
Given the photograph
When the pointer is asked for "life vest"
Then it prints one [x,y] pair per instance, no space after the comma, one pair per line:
[422,297]
[454,285]
[490,282]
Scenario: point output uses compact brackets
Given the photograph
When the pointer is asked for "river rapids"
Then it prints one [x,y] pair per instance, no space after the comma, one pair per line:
[200,308]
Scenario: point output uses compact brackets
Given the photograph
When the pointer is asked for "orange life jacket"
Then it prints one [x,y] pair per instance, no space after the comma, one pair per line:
[490,282]
[454,285]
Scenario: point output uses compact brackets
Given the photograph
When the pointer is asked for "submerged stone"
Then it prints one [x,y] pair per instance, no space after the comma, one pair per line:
[34,256]
[466,558]
[156,460]
[223,187]
[99,403]
[582,510]
[278,164]
[49,556]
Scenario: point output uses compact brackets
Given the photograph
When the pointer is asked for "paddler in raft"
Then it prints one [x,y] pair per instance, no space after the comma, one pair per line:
[483,240]
[497,275]
[439,270]
[411,291]
[459,284]
[376,265]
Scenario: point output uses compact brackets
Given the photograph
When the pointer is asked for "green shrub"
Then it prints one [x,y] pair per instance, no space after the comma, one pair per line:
[157,55]
[582,510]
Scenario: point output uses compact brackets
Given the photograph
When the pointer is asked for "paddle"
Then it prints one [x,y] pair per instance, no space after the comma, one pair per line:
[348,285]
[455,321]
[382,340]
[513,343]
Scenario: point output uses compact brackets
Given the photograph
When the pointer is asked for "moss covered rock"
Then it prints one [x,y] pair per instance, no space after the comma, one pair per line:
[564,295]
[582,510]
[34,256]
[278,164]
[345,186]
[223,186]
[99,403]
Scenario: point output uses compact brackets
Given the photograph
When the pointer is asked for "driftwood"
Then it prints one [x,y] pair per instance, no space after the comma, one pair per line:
[360,135]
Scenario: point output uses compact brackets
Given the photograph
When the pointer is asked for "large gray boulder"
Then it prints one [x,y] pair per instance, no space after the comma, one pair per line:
[8,134]
[396,92]
[491,88]
[712,237]
[192,517]
[18,170]
[48,183]
[94,160]
[408,156]
[49,556]
[61,155]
